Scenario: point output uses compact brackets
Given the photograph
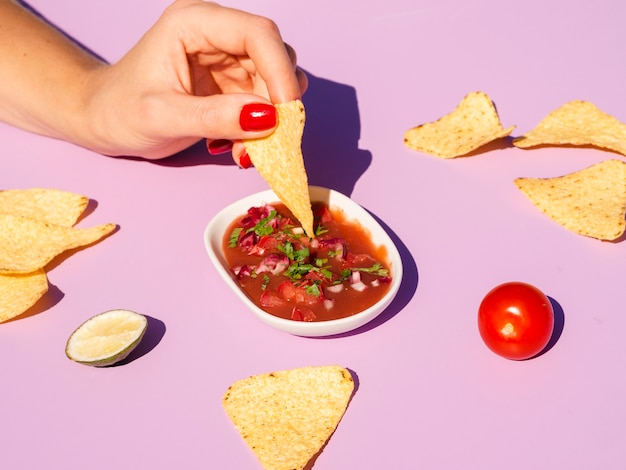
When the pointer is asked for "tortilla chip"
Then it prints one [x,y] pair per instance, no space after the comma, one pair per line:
[474,123]
[278,158]
[47,205]
[577,123]
[19,292]
[287,417]
[590,202]
[27,244]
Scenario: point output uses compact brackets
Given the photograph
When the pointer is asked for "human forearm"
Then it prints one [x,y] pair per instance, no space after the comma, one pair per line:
[193,75]
[45,75]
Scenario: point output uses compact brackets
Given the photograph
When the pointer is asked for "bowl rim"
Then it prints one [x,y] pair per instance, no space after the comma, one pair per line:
[213,238]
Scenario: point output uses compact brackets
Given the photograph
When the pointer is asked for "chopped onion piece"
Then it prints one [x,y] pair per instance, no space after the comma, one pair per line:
[329,303]
[358,286]
[335,288]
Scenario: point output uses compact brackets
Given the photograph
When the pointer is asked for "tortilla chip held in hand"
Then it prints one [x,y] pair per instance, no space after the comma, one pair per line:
[287,417]
[278,159]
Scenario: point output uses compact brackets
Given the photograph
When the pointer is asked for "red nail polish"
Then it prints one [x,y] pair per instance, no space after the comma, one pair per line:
[257,117]
[244,160]
[219,146]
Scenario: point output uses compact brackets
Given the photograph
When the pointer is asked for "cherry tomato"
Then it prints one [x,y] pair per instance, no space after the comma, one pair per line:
[516,320]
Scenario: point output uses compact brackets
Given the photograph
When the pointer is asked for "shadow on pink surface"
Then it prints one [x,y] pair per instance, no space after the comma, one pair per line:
[152,337]
[408,286]
[330,143]
[557,331]
[331,136]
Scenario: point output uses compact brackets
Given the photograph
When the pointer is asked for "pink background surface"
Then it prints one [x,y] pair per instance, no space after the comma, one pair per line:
[430,394]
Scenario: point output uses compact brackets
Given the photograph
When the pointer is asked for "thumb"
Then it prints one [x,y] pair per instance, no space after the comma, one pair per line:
[232,116]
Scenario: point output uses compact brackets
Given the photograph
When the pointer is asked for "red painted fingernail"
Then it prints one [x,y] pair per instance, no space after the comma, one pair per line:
[244,160]
[257,117]
[219,146]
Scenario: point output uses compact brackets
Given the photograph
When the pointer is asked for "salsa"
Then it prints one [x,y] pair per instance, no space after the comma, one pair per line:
[333,275]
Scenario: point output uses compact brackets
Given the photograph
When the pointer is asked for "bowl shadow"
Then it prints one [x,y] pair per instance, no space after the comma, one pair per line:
[408,287]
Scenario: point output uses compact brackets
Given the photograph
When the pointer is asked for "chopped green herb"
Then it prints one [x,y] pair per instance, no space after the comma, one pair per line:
[234,237]
[262,227]
[327,273]
[345,274]
[377,269]
[298,270]
[320,230]
[266,281]
[294,255]
[313,289]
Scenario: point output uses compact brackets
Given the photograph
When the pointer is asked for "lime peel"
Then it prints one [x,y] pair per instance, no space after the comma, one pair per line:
[106,338]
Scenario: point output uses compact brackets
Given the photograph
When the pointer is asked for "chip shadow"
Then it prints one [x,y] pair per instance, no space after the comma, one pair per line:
[52,297]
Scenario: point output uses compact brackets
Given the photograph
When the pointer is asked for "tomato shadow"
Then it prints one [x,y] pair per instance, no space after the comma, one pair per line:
[408,286]
[151,338]
[557,331]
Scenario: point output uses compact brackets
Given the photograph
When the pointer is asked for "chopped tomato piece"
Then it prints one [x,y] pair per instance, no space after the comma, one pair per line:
[267,243]
[359,260]
[324,215]
[315,276]
[298,294]
[270,298]
[302,314]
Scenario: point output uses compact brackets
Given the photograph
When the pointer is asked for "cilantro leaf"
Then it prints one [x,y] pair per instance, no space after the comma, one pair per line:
[376,269]
[234,237]
[262,227]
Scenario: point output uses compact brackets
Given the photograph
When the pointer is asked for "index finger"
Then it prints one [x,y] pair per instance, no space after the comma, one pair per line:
[209,26]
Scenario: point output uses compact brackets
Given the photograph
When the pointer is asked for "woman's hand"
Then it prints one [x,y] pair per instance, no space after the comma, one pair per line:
[194,74]
[202,71]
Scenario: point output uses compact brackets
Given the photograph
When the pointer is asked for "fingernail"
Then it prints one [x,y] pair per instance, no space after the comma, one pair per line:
[244,160]
[219,146]
[257,117]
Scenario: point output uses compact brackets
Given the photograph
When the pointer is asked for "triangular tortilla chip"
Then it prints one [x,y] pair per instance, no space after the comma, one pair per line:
[286,417]
[577,123]
[278,159]
[27,244]
[19,292]
[47,205]
[474,123]
[590,202]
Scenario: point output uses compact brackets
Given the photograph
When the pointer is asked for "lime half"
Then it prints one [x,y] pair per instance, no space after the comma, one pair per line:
[106,338]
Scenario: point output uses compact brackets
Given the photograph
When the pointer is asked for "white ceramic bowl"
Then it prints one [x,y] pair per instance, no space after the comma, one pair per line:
[213,238]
